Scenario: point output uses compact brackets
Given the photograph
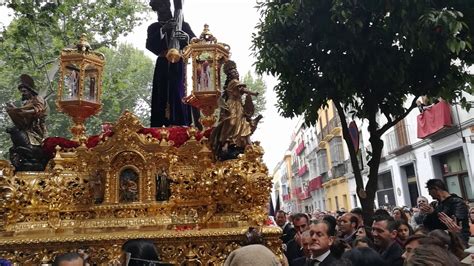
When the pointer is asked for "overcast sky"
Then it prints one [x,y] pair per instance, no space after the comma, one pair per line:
[231,22]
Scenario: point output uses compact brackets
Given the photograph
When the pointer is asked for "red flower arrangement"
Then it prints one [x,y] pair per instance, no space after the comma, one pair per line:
[179,135]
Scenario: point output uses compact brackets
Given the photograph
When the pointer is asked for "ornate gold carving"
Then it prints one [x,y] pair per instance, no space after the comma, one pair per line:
[75,203]
[207,246]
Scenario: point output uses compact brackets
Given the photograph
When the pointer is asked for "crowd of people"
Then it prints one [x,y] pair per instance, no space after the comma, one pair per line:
[435,233]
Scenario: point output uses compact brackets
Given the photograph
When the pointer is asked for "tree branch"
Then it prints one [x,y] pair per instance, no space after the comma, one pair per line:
[46,63]
[391,123]
[387,115]
[350,146]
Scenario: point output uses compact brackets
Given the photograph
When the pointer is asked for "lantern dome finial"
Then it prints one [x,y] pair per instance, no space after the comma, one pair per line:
[83,44]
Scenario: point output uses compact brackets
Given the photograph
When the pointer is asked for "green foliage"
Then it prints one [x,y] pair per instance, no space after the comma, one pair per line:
[256,85]
[368,55]
[34,39]
[127,85]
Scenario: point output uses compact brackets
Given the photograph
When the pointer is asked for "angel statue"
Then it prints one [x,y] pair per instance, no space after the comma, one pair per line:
[236,124]
[29,128]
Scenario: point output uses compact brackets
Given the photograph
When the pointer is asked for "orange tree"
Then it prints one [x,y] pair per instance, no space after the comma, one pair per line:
[369,57]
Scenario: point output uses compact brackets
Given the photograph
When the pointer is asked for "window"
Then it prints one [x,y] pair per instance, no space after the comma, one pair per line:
[385,193]
[322,161]
[337,152]
[401,133]
[354,198]
[344,200]
[454,170]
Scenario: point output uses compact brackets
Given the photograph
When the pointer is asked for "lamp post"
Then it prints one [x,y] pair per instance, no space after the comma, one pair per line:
[80,85]
[206,57]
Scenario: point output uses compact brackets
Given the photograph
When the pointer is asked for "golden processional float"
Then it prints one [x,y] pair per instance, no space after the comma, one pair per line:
[129,182]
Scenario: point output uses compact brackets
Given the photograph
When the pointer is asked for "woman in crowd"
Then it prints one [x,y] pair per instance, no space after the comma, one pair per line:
[399,215]
[138,252]
[364,231]
[404,231]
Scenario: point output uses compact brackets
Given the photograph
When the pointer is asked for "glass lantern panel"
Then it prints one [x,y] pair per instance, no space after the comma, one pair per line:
[71,82]
[188,70]
[205,72]
[90,84]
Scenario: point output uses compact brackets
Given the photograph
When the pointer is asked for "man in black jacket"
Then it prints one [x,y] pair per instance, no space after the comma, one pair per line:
[384,231]
[288,230]
[293,247]
[450,204]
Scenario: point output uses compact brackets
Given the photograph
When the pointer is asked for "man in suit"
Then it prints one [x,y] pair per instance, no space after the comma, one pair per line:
[384,231]
[293,247]
[288,230]
[347,226]
[306,241]
[323,235]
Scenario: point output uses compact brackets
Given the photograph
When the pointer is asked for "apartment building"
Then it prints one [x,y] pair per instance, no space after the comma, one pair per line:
[332,157]
[435,143]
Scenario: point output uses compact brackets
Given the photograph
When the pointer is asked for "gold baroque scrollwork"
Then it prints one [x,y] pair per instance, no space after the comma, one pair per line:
[75,201]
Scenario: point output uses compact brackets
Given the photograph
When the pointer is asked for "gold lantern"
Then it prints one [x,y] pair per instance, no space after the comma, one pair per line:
[204,57]
[80,85]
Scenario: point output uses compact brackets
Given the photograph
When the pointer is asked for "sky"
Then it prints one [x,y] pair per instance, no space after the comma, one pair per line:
[232,22]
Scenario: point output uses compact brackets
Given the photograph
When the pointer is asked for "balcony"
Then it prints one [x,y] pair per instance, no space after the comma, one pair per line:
[325,177]
[433,119]
[300,193]
[303,170]
[334,125]
[323,135]
[294,168]
[348,164]
[338,170]
[304,194]
[398,139]
[300,148]
[315,183]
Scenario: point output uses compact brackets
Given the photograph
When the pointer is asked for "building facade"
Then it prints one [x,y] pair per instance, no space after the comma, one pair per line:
[435,143]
